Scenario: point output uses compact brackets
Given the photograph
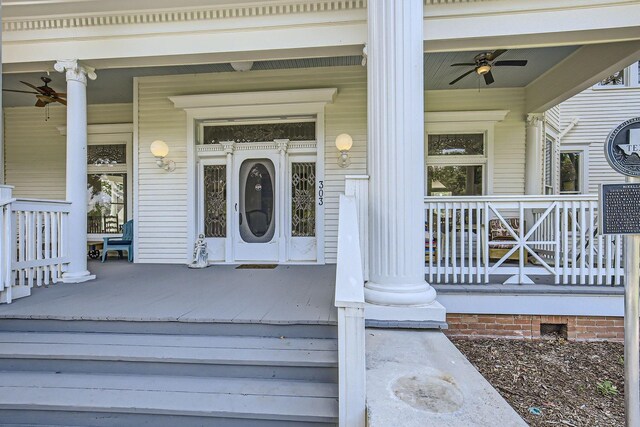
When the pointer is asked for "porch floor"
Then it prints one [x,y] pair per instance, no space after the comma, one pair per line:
[161,292]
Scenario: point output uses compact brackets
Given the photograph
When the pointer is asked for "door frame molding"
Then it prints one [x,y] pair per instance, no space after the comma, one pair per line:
[248,105]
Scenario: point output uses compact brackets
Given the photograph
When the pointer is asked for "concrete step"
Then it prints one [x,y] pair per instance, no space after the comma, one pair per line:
[191,355]
[110,400]
[274,330]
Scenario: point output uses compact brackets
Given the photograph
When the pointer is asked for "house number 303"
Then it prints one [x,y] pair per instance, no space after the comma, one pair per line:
[320,193]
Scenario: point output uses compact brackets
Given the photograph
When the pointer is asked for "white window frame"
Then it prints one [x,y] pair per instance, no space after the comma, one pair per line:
[461,122]
[550,134]
[631,79]
[114,139]
[583,176]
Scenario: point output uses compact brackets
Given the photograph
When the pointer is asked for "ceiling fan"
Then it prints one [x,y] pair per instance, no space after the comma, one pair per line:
[45,95]
[484,62]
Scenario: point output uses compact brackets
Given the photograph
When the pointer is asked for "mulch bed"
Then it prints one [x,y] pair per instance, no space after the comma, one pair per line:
[555,379]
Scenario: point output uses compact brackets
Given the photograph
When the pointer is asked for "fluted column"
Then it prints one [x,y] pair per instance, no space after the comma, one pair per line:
[534,156]
[396,154]
[76,75]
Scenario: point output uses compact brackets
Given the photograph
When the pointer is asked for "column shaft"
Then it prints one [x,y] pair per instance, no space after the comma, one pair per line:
[396,154]
[534,156]
[76,170]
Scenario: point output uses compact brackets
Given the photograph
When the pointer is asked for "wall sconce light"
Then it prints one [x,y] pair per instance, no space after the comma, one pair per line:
[159,149]
[344,142]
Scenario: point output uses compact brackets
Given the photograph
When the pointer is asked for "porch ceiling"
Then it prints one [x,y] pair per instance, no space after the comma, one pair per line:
[115,85]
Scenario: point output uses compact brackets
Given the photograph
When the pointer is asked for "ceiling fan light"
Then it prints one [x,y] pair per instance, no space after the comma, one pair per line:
[483,69]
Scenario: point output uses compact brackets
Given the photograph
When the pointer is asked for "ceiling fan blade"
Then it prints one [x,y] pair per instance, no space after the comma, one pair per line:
[466,64]
[41,103]
[31,86]
[493,55]
[462,76]
[61,101]
[61,94]
[19,91]
[488,78]
[511,63]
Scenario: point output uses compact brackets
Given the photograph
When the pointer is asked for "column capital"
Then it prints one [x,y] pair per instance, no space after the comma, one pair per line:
[75,70]
[228,146]
[282,144]
[534,119]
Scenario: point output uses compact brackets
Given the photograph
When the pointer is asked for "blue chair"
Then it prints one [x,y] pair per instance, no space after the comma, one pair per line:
[124,243]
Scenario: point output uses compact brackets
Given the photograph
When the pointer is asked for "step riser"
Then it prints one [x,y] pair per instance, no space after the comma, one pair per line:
[91,419]
[170,328]
[316,374]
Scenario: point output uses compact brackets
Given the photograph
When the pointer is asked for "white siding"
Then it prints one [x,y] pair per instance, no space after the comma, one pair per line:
[162,213]
[509,143]
[552,117]
[599,111]
[35,151]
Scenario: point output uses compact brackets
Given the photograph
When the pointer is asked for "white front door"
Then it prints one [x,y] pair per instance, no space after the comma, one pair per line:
[256,205]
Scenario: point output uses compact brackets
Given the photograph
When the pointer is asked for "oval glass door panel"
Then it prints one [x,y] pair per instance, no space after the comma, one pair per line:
[256,213]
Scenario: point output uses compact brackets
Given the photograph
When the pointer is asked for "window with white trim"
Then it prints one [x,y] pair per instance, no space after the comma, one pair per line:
[572,171]
[456,164]
[627,77]
[548,164]
[108,187]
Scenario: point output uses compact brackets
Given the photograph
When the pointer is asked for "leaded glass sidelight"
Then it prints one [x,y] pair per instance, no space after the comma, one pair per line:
[215,201]
[299,131]
[456,144]
[303,197]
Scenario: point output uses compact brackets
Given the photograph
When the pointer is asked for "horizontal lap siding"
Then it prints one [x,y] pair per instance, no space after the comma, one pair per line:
[598,112]
[162,202]
[35,150]
[509,142]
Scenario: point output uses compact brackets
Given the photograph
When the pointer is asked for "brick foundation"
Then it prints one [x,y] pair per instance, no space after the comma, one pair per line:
[579,328]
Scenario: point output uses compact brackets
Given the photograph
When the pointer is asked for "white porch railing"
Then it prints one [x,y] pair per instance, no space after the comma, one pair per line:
[32,250]
[349,300]
[523,239]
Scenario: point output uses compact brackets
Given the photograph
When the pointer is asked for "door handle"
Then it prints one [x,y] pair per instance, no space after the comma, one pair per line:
[236,207]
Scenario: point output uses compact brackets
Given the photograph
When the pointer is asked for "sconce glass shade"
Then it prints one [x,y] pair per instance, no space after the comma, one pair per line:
[159,148]
[344,142]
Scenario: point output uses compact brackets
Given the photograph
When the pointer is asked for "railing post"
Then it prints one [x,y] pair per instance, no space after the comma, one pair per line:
[6,194]
[357,186]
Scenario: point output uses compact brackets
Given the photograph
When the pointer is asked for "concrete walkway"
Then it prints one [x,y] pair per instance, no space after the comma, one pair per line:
[419,379]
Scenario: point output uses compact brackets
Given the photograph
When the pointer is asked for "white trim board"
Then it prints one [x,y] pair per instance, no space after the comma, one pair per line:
[103,128]
[533,304]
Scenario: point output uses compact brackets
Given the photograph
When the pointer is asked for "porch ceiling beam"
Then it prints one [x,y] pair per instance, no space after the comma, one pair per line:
[196,59]
[579,71]
[540,23]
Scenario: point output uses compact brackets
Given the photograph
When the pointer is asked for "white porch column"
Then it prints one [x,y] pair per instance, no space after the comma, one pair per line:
[396,155]
[76,75]
[534,155]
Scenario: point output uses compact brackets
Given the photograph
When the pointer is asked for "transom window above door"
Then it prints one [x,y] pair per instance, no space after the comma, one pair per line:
[259,132]
[456,164]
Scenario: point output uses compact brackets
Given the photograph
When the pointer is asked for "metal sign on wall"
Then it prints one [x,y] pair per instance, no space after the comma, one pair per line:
[620,209]
[620,203]
[622,148]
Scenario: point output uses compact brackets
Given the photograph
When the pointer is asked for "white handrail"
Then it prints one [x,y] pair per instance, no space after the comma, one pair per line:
[32,247]
[349,300]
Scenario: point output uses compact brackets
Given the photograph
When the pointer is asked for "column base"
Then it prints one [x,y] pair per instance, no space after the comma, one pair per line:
[418,294]
[77,277]
[433,313]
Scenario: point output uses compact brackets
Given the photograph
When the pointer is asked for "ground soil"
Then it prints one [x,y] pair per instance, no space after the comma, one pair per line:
[558,377]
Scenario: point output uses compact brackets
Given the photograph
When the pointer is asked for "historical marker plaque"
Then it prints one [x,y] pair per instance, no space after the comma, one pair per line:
[620,208]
